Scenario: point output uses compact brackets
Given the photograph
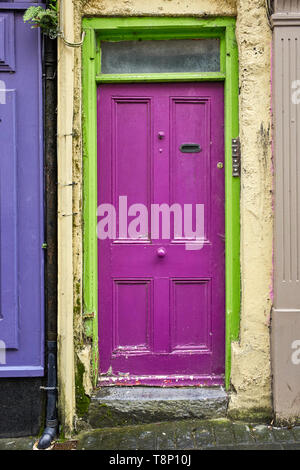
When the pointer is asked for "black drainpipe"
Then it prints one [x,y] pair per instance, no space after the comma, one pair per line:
[50,182]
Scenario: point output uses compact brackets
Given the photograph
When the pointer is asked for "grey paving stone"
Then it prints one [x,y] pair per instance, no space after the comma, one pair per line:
[228,447]
[296,432]
[292,446]
[245,447]
[186,435]
[242,433]
[262,434]
[185,440]
[223,431]
[146,440]
[283,435]
[22,443]
[266,446]
[204,436]
[89,440]
[248,447]
[165,441]
[219,434]
[128,442]
[99,440]
[108,444]
[109,441]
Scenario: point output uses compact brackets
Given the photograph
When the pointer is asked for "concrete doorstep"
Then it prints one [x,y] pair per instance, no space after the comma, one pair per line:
[123,406]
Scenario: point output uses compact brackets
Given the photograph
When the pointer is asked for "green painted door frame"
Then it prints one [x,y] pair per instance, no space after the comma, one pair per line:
[118,29]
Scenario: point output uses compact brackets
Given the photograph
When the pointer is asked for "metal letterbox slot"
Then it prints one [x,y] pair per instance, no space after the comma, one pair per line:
[190,148]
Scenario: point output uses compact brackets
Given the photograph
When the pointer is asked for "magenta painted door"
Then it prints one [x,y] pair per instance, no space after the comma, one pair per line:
[161,289]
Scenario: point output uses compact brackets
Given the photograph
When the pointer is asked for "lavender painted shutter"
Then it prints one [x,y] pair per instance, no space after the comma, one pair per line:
[8,224]
[21,196]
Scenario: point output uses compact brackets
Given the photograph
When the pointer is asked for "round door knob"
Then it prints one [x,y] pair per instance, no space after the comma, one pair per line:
[161,252]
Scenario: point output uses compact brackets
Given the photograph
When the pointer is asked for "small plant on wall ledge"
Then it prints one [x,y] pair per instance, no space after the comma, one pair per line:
[46,19]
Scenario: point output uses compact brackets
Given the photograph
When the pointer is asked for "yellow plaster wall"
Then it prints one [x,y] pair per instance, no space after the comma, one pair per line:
[251,374]
[251,356]
[159,7]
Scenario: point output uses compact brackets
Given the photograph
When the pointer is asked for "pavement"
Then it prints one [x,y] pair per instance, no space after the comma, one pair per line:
[218,434]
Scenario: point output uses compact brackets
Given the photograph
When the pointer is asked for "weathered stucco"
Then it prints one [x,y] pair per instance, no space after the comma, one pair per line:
[159,7]
[251,377]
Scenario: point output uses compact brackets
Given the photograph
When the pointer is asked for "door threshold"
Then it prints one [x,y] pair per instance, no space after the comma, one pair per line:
[109,380]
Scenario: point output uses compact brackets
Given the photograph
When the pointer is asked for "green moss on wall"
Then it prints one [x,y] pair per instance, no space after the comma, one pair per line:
[252,415]
[82,400]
